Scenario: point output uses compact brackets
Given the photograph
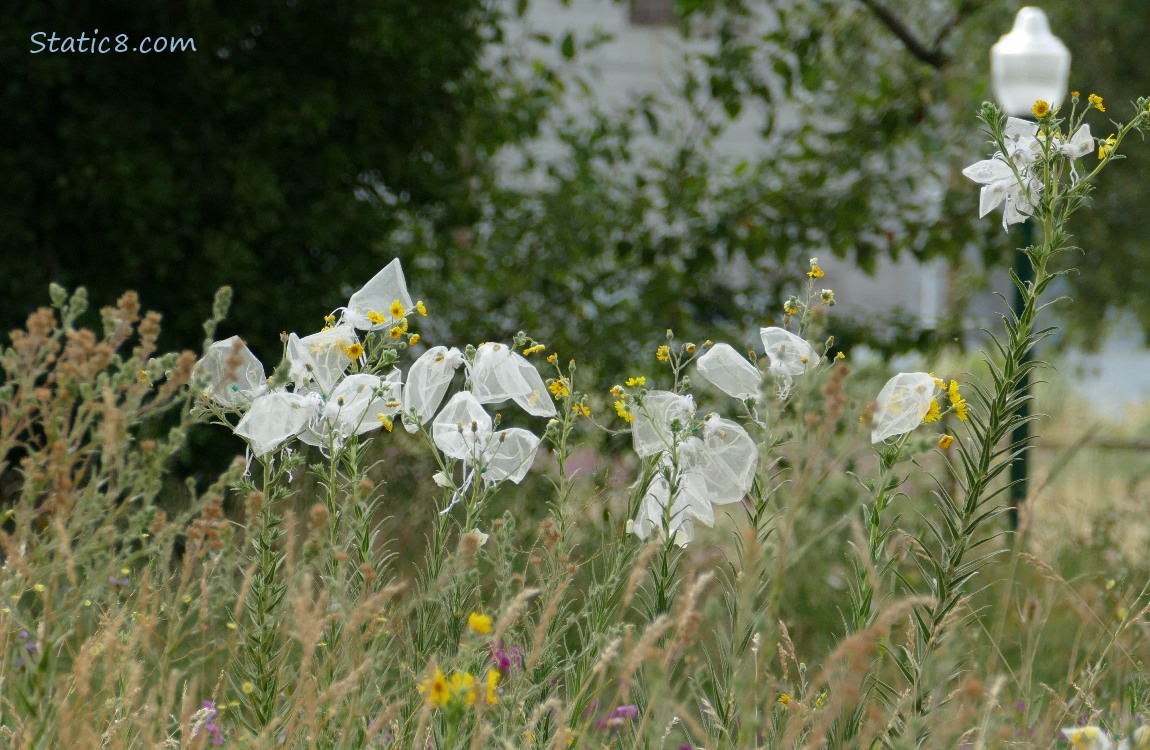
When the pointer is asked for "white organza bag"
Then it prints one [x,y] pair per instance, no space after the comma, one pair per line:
[274,418]
[499,374]
[377,296]
[509,454]
[901,404]
[354,408]
[427,382]
[320,358]
[730,460]
[462,428]
[652,429]
[231,373]
[730,372]
[789,355]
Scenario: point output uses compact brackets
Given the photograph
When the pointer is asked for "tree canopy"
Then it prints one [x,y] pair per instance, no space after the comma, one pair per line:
[302,145]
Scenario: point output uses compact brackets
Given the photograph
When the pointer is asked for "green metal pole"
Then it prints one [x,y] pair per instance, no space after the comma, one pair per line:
[1019,468]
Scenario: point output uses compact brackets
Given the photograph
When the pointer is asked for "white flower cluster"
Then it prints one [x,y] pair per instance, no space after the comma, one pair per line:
[324,405]
[1011,177]
[703,466]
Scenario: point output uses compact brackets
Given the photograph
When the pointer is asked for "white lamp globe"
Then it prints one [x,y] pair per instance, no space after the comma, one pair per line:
[1029,64]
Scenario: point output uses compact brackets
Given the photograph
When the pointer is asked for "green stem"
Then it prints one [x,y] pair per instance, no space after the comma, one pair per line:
[948,590]
[261,647]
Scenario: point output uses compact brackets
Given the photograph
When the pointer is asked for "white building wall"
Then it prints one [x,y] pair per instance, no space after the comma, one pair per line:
[642,60]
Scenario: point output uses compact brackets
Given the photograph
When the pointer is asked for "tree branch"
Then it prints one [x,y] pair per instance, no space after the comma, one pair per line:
[965,9]
[932,56]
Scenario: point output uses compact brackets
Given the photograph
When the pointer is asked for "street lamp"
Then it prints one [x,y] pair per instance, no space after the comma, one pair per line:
[1026,65]
[1029,64]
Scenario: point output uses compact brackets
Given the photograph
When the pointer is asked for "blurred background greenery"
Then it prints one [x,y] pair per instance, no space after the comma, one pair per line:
[305,143]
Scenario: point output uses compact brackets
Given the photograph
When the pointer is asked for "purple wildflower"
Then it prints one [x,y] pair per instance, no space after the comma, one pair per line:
[207,715]
[505,659]
[618,717]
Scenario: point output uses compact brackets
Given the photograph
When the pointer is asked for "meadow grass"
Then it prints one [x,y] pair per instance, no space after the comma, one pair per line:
[721,552]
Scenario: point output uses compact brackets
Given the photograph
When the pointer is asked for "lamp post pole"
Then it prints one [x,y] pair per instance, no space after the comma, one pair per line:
[1026,65]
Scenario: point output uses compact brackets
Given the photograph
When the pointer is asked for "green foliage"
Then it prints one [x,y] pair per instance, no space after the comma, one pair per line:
[239,162]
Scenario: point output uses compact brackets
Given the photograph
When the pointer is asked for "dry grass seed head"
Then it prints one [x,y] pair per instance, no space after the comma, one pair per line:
[786,651]
[642,651]
[512,613]
[372,606]
[469,544]
[545,619]
[639,571]
[844,671]
[606,656]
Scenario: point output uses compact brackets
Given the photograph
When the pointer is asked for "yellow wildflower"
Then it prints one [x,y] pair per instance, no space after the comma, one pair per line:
[938,381]
[1041,108]
[841,355]
[1106,146]
[413,339]
[815,272]
[933,414]
[329,322]
[533,349]
[1087,738]
[945,441]
[558,388]
[376,317]
[396,332]
[553,358]
[463,687]
[784,699]
[247,688]
[961,409]
[385,421]
[434,689]
[480,623]
[142,377]
[690,348]
[617,391]
[582,410]
[1075,94]
[396,309]
[421,308]
[663,353]
[621,410]
[791,307]
[827,296]
[492,681]
[632,382]
[355,351]
[1096,102]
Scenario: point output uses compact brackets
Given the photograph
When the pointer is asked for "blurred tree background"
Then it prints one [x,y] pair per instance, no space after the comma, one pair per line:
[243,162]
[305,143]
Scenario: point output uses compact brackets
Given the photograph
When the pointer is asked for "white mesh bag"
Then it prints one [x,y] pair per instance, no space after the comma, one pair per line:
[789,355]
[274,418]
[901,404]
[730,372]
[233,375]
[320,358]
[427,382]
[377,296]
[651,430]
